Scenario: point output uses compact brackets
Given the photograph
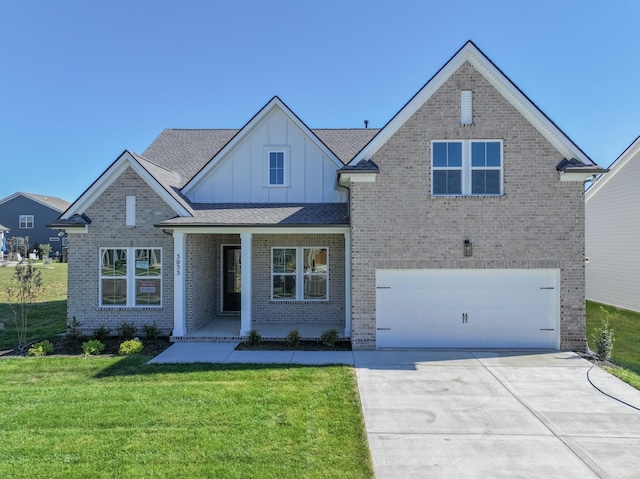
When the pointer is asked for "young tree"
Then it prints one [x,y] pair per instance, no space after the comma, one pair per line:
[27,287]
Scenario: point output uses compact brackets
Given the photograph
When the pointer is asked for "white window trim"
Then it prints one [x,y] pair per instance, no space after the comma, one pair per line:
[26,219]
[467,168]
[286,150]
[130,278]
[299,274]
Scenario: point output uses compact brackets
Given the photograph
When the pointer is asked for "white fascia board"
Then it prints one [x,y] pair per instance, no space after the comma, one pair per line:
[112,173]
[348,178]
[494,76]
[272,230]
[75,230]
[627,155]
[575,176]
[275,102]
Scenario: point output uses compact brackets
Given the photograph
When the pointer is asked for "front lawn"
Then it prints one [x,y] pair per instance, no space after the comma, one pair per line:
[119,417]
[49,315]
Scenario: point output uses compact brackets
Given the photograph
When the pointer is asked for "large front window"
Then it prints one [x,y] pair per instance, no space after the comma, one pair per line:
[299,274]
[130,277]
[466,168]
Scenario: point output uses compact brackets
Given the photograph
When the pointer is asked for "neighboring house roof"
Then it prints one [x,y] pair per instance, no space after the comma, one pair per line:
[52,202]
[4,229]
[632,151]
[264,214]
[472,54]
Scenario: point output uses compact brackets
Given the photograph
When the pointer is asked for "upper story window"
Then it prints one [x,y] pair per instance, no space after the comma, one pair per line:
[26,221]
[276,168]
[466,168]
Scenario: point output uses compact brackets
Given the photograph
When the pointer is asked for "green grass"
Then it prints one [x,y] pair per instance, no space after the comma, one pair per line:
[48,317]
[627,376]
[119,417]
[626,330]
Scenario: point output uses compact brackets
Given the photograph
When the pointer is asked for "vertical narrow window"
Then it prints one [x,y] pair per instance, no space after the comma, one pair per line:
[466,107]
[486,168]
[447,168]
[276,168]
[148,276]
[113,277]
[130,220]
[283,273]
[315,273]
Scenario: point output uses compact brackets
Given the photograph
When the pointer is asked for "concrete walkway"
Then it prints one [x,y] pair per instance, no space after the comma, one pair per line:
[493,414]
[225,353]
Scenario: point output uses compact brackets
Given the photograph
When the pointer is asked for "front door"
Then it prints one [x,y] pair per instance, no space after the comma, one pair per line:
[231,278]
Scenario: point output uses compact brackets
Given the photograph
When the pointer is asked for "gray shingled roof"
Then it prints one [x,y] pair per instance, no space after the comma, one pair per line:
[264,214]
[51,201]
[188,151]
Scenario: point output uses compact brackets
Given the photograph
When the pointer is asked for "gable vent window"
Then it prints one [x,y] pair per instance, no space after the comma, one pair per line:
[466,108]
[130,220]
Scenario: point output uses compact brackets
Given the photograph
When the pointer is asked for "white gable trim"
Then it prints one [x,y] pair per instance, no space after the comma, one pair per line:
[469,52]
[124,161]
[275,102]
[631,152]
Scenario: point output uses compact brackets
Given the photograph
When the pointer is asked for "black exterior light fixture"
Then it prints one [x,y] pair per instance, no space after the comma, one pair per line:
[468,248]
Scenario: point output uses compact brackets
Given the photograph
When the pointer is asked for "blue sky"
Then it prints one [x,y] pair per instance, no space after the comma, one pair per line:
[81,81]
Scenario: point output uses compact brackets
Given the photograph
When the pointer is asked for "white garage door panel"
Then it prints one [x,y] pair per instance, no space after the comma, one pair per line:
[503,308]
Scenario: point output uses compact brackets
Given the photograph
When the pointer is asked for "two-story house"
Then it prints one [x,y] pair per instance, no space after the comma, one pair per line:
[460,223]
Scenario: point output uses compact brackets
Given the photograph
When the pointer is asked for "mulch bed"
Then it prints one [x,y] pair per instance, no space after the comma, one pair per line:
[71,347]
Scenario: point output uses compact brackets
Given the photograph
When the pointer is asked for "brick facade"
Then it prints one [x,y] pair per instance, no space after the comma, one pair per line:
[537,223]
[108,230]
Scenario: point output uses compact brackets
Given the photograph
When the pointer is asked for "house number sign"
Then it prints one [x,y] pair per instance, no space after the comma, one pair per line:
[178,264]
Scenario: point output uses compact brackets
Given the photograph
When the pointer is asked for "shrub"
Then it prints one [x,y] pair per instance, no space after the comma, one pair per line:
[151,331]
[293,338]
[102,333]
[127,330]
[40,349]
[92,347]
[329,338]
[603,337]
[73,330]
[254,338]
[133,346]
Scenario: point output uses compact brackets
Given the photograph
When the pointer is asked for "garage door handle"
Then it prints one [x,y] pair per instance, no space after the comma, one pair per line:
[383,329]
[547,287]
[383,287]
[547,329]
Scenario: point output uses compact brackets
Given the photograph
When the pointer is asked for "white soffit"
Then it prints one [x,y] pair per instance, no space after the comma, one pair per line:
[469,52]
[124,161]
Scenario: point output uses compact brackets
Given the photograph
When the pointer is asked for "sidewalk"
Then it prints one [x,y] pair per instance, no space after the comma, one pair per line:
[199,352]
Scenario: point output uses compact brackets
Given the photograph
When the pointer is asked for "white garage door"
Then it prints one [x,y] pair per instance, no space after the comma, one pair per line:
[488,308]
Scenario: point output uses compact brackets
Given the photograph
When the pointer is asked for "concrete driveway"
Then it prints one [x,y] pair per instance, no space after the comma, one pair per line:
[488,414]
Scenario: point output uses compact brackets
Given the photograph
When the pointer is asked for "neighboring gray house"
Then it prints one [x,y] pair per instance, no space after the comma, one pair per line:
[612,206]
[458,224]
[28,214]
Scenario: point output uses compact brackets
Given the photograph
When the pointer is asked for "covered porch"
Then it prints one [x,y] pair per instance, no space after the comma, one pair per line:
[228,329]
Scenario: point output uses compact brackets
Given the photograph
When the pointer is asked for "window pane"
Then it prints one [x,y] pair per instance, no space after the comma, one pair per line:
[276,168]
[284,286]
[114,262]
[114,292]
[148,262]
[439,154]
[147,292]
[315,286]
[493,153]
[315,260]
[478,182]
[454,154]
[440,182]
[478,156]
[284,260]
[492,182]
[454,182]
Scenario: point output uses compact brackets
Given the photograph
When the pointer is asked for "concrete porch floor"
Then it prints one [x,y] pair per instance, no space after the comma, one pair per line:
[228,329]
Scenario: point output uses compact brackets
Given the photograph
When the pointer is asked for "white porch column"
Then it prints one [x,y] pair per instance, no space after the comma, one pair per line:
[245,307]
[347,284]
[179,325]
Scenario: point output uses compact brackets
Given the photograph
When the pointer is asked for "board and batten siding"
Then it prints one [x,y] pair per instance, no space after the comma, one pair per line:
[612,226]
[241,176]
